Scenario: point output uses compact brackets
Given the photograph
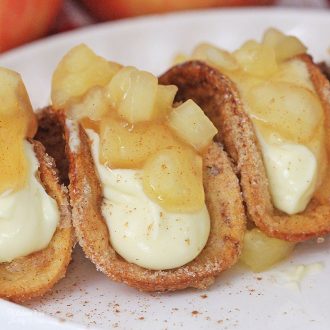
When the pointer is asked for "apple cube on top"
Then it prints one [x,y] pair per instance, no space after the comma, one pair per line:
[137,97]
[256,59]
[133,94]
[191,124]
[215,56]
[284,46]
[164,100]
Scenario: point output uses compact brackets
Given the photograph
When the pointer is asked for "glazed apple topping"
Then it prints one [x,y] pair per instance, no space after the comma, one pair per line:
[138,125]
[278,92]
[17,123]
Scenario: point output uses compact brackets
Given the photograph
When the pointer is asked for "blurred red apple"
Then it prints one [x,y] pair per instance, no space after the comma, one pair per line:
[25,20]
[112,9]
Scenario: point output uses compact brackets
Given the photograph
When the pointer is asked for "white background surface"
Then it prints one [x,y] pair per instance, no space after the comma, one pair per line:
[239,299]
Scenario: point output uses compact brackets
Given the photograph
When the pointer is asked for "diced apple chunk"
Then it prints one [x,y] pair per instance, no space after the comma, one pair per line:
[294,112]
[164,100]
[288,48]
[125,147]
[256,59]
[285,47]
[115,90]
[93,105]
[272,37]
[191,124]
[215,56]
[261,252]
[172,178]
[78,71]
[133,93]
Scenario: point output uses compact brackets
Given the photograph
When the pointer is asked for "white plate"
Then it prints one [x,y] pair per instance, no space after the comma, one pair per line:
[239,299]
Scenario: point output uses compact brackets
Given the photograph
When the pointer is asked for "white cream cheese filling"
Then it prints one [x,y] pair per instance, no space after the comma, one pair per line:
[292,173]
[140,230]
[28,217]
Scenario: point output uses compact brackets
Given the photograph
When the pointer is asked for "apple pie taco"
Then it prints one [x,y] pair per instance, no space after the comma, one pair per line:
[36,235]
[156,203]
[273,118]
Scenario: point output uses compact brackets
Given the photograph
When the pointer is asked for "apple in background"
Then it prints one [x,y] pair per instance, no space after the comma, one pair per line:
[112,9]
[25,20]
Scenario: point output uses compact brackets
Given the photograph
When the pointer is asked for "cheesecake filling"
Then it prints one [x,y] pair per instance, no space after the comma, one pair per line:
[292,173]
[28,216]
[141,231]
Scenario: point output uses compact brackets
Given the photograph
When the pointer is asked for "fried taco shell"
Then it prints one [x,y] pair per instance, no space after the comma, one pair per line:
[223,200]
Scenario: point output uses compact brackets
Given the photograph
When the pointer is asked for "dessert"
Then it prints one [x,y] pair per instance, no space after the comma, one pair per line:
[36,235]
[156,203]
[274,123]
